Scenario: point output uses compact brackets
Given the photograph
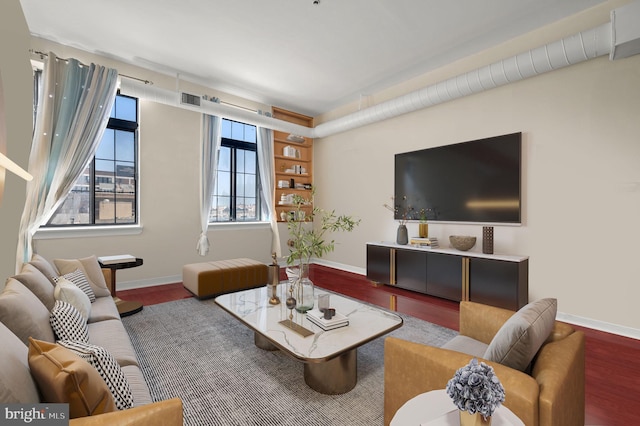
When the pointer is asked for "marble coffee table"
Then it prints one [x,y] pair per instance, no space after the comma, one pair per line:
[329,357]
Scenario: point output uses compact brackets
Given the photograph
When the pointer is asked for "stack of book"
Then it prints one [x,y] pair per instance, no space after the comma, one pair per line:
[424,242]
[317,317]
[120,258]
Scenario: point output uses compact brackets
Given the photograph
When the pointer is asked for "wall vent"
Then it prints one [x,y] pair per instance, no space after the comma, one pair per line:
[189,99]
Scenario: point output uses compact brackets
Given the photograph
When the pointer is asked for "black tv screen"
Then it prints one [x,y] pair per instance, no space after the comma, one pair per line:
[475,181]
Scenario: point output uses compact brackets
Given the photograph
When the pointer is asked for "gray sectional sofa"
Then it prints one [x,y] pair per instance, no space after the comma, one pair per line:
[25,305]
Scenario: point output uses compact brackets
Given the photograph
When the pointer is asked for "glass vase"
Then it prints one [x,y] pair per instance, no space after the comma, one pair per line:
[303,290]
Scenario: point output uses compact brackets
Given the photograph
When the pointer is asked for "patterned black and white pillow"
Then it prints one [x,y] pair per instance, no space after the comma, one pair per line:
[68,323]
[108,368]
[80,279]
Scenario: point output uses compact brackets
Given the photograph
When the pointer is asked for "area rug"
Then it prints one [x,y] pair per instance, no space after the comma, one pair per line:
[194,350]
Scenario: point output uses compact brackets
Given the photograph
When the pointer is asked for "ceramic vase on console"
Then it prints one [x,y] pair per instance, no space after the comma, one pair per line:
[402,236]
[467,419]
[423,229]
[303,291]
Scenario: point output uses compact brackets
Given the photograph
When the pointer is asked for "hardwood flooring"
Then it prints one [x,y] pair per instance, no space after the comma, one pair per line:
[612,362]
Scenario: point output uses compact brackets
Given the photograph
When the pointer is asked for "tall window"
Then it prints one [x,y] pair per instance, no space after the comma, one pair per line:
[106,192]
[236,197]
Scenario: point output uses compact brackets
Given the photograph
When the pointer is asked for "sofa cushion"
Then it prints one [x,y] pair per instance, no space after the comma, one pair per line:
[23,313]
[67,291]
[80,280]
[34,280]
[44,266]
[67,323]
[111,335]
[16,384]
[466,345]
[90,267]
[522,335]
[64,377]
[104,308]
[139,387]
[107,367]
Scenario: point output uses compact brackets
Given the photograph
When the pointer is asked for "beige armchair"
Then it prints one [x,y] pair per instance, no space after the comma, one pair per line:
[552,395]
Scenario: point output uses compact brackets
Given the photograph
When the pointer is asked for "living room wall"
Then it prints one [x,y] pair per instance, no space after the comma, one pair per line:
[581,180]
[169,150]
[17,87]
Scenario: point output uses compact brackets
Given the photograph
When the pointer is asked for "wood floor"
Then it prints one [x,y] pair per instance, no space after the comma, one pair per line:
[612,362]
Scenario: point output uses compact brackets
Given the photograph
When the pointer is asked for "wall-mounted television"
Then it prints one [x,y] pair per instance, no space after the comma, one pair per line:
[477,181]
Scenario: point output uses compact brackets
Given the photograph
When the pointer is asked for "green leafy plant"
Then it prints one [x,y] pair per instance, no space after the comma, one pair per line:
[309,240]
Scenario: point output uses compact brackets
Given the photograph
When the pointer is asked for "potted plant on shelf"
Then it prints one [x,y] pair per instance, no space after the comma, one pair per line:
[307,239]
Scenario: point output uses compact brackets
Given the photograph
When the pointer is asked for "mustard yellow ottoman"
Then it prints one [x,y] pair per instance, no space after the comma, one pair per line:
[209,279]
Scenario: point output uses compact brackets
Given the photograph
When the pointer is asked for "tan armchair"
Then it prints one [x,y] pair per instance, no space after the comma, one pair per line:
[552,395]
[162,413]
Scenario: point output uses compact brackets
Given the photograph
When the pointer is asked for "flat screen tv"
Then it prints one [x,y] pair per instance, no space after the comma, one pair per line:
[476,181]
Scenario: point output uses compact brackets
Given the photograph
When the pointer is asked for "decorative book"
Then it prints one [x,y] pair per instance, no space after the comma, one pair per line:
[317,318]
[120,258]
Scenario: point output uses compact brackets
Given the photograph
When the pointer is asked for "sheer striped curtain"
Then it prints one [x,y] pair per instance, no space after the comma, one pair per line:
[74,105]
[211,140]
[266,169]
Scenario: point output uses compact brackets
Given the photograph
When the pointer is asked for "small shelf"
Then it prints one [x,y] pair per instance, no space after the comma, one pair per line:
[296,159]
[282,162]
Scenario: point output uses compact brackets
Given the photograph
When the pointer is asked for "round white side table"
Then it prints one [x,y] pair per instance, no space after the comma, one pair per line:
[435,408]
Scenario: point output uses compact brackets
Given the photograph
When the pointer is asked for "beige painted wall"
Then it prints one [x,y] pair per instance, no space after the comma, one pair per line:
[169,152]
[18,89]
[581,176]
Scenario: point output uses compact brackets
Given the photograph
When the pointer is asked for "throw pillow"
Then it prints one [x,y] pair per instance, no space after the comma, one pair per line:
[107,367]
[78,278]
[23,313]
[64,377]
[39,285]
[67,291]
[90,267]
[520,338]
[67,323]
[43,265]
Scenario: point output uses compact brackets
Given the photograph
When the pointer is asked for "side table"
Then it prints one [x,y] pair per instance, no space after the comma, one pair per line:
[435,408]
[125,307]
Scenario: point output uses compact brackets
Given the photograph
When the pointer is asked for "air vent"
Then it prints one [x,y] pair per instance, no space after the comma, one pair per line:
[189,99]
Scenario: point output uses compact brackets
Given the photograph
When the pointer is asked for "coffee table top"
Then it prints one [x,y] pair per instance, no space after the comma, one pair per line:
[366,323]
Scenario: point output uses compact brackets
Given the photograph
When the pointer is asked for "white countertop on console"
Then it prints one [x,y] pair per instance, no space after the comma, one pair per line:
[504,257]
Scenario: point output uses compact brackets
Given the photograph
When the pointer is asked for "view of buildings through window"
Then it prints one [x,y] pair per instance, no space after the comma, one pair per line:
[106,192]
[236,196]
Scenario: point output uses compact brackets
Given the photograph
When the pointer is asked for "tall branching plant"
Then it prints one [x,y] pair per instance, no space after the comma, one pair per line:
[307,240]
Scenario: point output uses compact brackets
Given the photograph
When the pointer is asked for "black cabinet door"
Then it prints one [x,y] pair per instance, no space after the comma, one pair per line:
[411,270]
[444,276]
[379,264]
[498,283]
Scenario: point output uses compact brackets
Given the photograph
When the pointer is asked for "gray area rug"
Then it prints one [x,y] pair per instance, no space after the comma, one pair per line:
[194,350]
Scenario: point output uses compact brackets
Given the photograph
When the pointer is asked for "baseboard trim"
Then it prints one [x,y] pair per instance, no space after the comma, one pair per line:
[150,282]
[594,324]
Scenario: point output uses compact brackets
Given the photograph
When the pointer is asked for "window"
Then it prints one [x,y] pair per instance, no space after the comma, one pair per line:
[236,197]
[106,193]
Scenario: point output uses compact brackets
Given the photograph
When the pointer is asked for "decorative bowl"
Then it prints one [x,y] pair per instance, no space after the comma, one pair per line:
[462,242]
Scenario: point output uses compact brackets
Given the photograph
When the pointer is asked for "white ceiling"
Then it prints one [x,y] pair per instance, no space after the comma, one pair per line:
[291,53]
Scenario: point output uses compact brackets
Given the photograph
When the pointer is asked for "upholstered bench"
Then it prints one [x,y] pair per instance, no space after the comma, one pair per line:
[208,279]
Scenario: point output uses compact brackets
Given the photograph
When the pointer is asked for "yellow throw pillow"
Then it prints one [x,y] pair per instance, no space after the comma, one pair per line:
[64,377]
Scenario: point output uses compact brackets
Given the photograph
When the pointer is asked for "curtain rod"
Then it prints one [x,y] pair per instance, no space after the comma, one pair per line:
[43,54]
